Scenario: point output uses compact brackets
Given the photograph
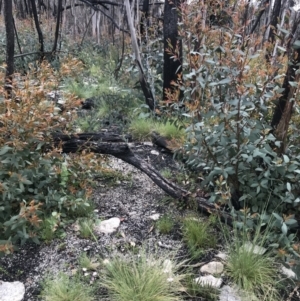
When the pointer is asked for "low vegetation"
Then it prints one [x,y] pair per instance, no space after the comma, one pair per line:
[144,277]
[62,287]
[198,236]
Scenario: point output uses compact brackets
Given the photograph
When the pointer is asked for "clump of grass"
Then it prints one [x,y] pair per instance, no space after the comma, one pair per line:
[195,290]
[142,278]
[141,128]
[86,228]
[50,228]
[63,288]
[252,272]
[197,236]
[165,224]
[169,130]
[166,173]
[88,263]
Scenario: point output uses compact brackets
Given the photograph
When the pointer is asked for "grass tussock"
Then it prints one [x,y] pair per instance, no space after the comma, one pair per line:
[143,278]
[141,129]
[64,288]
[197,236]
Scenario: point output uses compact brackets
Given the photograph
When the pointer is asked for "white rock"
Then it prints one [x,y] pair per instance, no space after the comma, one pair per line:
[288,272]
[228,293]
[12,291]
[213,267]
[154,217]
[108,226]
[209,280]
[168,266]
[248,246]
[154,152]
[222,256]
[148,143]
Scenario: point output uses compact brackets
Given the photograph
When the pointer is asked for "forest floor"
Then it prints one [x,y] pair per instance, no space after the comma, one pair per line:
[135,199]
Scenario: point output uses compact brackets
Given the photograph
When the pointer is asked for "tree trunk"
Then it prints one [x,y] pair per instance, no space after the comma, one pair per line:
[172,60]
[58,21]
[90,141]
[10,46]
[38,28]
[283,110]
[150,101]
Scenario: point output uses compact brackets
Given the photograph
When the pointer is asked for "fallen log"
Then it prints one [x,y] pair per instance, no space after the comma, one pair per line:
[98,144]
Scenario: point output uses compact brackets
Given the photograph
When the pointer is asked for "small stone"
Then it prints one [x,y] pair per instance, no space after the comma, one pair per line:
[209,280]
[12,291]
[108,226]
[248,246]
[228,293]
[154,152]
[154,217]
[213,267]
[148,143]
[95,274]
[86,274]
[288,272]
[222,256]
[168,266]
[105,261]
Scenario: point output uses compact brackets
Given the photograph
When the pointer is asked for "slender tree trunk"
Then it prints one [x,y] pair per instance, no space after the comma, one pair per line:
[144,84]
[172,63]
[58,21]
[10,46]
[38,28]
[273,25]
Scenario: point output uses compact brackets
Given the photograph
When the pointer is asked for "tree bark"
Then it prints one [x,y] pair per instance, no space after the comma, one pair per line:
[172,64]
[283,110]
[10,46]
[58,21]
[150,101]
[38,29]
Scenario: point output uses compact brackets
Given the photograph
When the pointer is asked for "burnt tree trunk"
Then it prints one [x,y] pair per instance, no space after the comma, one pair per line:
[113,145]
[273,26]
[283,110]
[172,61]
[38,29]
[10,46]
[58,20]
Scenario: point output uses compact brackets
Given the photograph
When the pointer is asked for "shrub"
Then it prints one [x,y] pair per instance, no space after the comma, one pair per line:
[35,180]
[229,140]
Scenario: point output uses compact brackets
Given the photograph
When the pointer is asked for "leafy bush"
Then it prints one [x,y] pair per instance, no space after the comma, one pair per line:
[35,179]
[229,140]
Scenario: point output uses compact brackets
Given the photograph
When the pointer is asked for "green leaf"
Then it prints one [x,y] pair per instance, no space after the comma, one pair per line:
[4,150]
[278,217]
[225,81]
[284,228]
[286,159]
